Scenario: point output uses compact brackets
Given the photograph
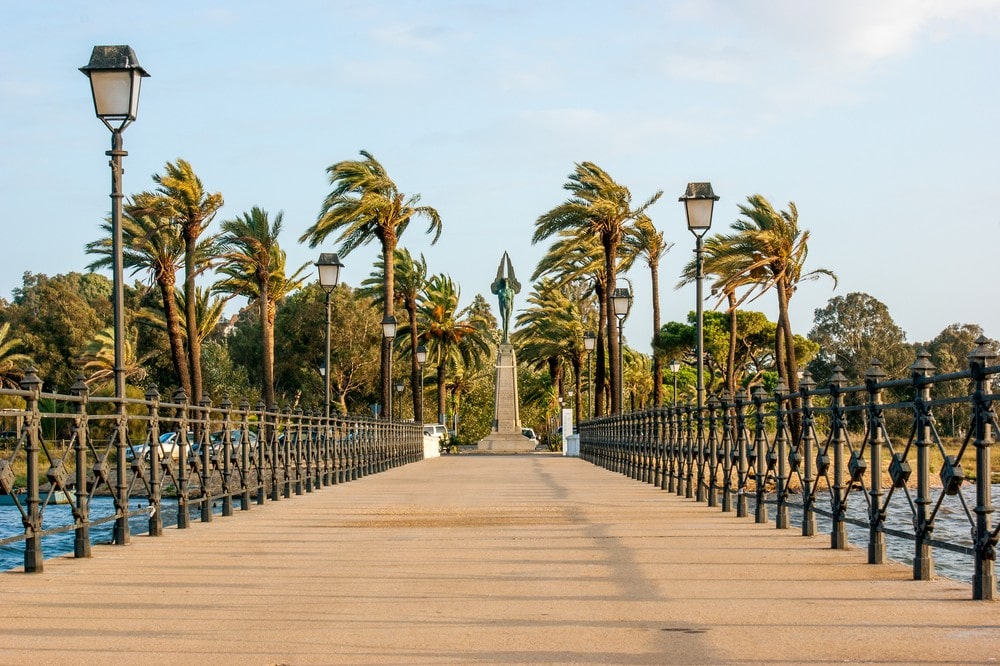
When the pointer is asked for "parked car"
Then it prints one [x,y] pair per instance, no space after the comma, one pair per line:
[530,434]
[216,443]
[168,448]
[437,430]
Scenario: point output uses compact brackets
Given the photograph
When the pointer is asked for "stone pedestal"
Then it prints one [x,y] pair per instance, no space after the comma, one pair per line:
[506,434]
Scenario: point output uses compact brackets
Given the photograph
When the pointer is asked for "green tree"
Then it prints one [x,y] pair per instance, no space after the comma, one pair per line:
[254,267]
[98,359]
[949,352]
[603,207]
[853,330]
[366,205]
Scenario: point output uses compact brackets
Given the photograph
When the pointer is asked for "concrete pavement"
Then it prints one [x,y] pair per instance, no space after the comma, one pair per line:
[487,559]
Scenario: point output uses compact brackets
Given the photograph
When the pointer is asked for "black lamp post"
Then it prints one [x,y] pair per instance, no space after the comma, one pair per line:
[388,333]
[115,76]
[621,302]
[590,343]
[421,359]
[675,366]
[399,401]
[699,202]
[328,268]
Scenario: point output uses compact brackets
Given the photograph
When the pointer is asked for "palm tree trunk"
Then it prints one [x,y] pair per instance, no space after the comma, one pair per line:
[600,378]
[731,359]
[191,312]
[174,335]
[654,272]
[388,301]
[267,311]
[415,369]
[610,260]
[441,391]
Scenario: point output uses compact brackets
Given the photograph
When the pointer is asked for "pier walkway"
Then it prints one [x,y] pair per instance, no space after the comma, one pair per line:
[486,559]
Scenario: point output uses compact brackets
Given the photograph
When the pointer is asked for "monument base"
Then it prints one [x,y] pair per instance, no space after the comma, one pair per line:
[507,442]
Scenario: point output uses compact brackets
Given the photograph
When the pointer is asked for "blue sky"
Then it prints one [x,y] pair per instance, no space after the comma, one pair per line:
[878,118]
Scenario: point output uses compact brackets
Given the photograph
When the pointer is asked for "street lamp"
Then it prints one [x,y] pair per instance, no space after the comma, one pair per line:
[590,343]
[388,333]
[675,366]
[399,400]
[421,359]
[621,303]
[328,268]
[699,202]
[115,76]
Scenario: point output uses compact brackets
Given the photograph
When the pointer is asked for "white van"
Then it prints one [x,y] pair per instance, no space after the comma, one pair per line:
[436,430]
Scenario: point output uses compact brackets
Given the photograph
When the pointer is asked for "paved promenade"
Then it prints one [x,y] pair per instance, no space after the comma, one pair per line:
[486,559]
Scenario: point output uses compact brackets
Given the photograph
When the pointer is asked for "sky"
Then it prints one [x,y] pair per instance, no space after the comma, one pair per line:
[878,118]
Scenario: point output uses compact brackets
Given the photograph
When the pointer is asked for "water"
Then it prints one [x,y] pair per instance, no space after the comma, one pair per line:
[57,515]
[950,525]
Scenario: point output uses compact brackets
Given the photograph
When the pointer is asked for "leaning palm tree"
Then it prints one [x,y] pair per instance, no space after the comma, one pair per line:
[644,241]
[11,361]
[603,207]
[254,267]
[366,205]
[408,284]
[182,199]
[773,250]
[453,339]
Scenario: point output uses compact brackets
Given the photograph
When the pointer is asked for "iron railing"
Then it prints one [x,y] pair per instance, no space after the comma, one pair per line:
[197,456]
[867,449]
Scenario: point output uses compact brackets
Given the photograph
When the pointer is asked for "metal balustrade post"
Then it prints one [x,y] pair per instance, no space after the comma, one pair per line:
[155,523]
[227,454]
[726,404]
[838,533]
[659,459]
[81,508]
[246,459]
[122,531]
[923,559]
[33,558]
[713,453]
[743,468]
[760,448]
[672,474]
[180,399]
[689,443]
[287,449]
[875,441]
[202,430]
[700,443]
[781,519]
[806,385]
[984,583]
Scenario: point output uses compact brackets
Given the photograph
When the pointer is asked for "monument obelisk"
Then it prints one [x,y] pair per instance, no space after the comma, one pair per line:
[505,435]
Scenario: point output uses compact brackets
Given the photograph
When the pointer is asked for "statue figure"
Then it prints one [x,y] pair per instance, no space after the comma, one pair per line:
[505,286]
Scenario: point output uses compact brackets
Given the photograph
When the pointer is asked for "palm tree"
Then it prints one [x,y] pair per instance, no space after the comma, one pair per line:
[772,250]
[98,359]
[254,266]
[602,207]
[408,284]
[182,199]
[643,240]
[153,244]
[366,205]
[732,272]
[452,338]
[550,332]
[11,361]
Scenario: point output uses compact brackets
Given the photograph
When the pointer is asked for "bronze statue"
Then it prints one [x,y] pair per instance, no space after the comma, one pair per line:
[505,286]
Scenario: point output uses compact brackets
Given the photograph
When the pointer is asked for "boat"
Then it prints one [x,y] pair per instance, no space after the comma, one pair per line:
[58,497]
